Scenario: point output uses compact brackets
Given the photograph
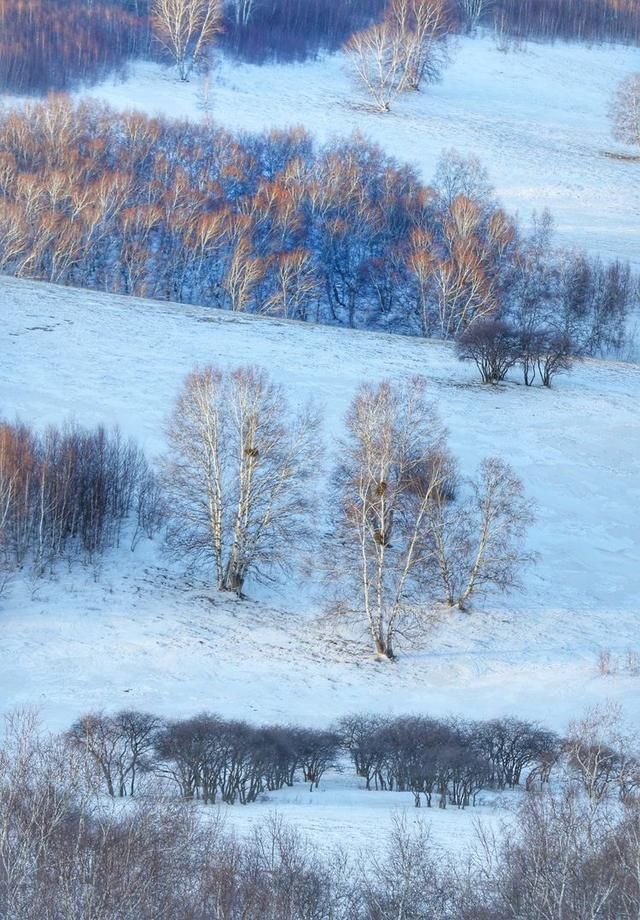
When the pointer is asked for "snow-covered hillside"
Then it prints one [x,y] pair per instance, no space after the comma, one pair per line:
[138,633]
[536,117]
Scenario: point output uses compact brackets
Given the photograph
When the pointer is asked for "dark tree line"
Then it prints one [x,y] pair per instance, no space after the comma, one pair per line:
[211,759]
[285,30]
[204,758]
[570,20]
[446,762]
[68,492]
[48,45]
[273,224]
[54,44]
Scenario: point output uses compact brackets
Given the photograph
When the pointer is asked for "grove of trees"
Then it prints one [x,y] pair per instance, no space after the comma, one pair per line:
[51,44]
[70,492]
[403,51]
[185,29]
[242,479]
[408,529]
[273,224]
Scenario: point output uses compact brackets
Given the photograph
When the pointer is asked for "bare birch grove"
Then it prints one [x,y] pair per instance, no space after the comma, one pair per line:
[403,51]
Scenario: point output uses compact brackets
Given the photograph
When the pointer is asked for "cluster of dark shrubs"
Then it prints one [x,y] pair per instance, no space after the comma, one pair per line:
[68,492]
[206,757]
[273,224]
[212,759]
[563,316]
[446,762]
[495,347]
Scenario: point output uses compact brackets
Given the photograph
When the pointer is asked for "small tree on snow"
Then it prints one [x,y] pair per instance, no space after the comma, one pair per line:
[493,346]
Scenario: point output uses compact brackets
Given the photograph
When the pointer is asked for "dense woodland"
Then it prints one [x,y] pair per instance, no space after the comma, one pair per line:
[275,224]
[52,44]
[570,20]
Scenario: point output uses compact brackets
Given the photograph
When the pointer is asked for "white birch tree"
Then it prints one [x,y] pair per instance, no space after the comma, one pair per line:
[185,29]
[238,475]
[393,465]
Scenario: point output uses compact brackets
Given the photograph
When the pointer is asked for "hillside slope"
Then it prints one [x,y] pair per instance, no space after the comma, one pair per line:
[536,117]
[138,633]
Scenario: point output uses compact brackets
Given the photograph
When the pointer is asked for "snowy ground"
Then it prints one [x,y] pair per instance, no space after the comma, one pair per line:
[536,117]
[137,633]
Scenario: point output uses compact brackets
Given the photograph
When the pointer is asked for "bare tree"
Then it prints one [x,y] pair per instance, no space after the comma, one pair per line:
[238,474]
[185,29]
[375,55]
[493,346]
[478,542]
[244,272]
[625,111]
[393,464]
[243,11]
[295,284]
[422,26]
[603,756]
[118,745]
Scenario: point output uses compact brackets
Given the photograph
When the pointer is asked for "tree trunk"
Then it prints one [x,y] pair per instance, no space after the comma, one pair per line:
[384,649]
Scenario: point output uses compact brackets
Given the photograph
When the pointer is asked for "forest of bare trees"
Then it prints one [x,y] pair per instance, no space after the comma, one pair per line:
[569,20]
[273,224]
[68,849]
[51,44]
